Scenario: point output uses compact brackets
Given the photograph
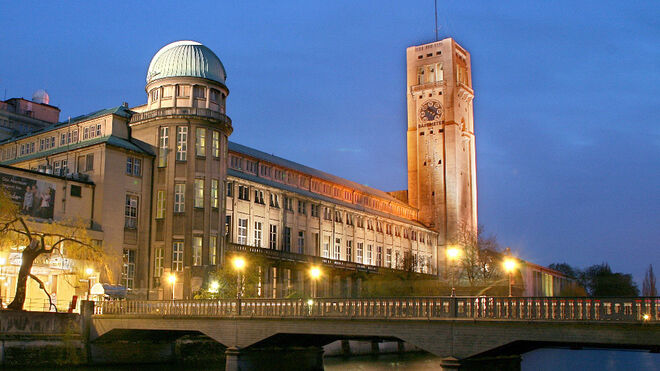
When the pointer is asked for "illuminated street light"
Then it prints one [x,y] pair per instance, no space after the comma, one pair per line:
[172,280]
[453,253]
[646,317]
[509,266]
[315,274]
[214,287]
[239,264]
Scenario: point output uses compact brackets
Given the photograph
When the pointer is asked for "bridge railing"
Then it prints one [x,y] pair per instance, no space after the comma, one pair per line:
[496,308]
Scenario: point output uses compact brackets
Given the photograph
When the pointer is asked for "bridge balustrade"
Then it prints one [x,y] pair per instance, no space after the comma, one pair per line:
[500,308]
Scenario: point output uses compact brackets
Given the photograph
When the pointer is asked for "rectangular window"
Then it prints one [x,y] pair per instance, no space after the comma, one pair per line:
[213,248]
[65,168]
[199,192]
[181,143]
[302,207]
[301,242]
[287,239]
[337,249]
[338,216]
[274,201]
[182,91]
[243,193]
[160,205]
[89,162]
[214,193]
[216,144]
[368,259]
[317,244]
[137,167]
[129,165]
[259,197]
[230,189]
[379,256]
[179,197]
[242,231]
[288,204]
[62,139]
[158,262]
[200,142]
[197,250]
[327,213]
[130,212]
[74,136]
[56,168]
[86,133]
[349,250]
[163,145]
[388,258]
[128,269]
[258,233]
[326,247]
[177,256]
[272,242]
[359,251]
[98,130]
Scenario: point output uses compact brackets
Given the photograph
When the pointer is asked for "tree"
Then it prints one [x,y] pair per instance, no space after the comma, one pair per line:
[565,269]
[223,282]
[648,286]
[42,238]
[480,257]
[599,280]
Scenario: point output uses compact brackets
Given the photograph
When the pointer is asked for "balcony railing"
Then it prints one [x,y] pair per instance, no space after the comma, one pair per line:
[643,309]
[180,111]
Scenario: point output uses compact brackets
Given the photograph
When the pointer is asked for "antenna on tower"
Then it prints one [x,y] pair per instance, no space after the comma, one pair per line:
[435,13]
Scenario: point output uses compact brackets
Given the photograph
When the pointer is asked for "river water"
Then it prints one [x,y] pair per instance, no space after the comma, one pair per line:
[539,360]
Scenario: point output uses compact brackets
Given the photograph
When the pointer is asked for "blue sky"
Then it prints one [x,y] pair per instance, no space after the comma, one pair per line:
[566,98]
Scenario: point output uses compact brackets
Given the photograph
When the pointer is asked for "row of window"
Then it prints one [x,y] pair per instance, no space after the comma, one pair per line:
[183,91]
[180,197]
[201,137]
[178,250]
[339,216]
[46,143]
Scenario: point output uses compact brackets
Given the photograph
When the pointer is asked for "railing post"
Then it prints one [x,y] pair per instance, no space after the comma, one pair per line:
[452,307]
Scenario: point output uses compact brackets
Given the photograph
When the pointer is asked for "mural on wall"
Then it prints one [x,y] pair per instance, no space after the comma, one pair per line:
[34,197]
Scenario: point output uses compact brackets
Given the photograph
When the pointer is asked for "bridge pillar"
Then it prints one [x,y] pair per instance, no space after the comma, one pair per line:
[231,363]
[450,364]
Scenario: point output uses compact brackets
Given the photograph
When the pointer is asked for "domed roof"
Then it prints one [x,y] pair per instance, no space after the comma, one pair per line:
[186,58]
[41,96]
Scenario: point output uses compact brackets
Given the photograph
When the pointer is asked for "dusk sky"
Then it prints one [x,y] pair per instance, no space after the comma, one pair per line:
[567,98]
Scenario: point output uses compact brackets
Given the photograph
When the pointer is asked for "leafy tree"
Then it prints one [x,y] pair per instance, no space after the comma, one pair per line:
[648,286]
[565,269]
[43,238]
[599,280]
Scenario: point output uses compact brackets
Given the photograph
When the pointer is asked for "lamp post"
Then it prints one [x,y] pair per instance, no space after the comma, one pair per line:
[509,267]
[314,273]
[89,272]
[172,280]
[452,255]
[239,264]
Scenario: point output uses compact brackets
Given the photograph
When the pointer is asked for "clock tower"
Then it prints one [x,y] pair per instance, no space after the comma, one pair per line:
[441,148]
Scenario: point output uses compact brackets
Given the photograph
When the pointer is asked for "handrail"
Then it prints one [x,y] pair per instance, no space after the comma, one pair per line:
[183,111]
[638,309]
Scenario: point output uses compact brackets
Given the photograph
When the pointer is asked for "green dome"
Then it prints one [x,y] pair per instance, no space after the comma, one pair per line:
[186,58]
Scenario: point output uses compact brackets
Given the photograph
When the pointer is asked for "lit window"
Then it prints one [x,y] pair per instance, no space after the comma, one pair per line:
[197,250]
[272,243]
[216,144]
[257,234]
[359,251]
[158,262]
[200,142]
[242,231]
[301,242]
[214,193]
[160,205]
[199,192]
[181,143]
[163,144]
[128,269]
[337,249]
[213,246]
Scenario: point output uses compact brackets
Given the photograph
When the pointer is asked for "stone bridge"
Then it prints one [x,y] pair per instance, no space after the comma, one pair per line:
[459,329]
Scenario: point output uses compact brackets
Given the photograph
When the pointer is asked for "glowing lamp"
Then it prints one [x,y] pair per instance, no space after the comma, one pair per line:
[239,263]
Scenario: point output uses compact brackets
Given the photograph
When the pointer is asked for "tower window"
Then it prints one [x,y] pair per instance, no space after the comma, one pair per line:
[429,55]
[438,52]
[422,133]
[439,162]
[420,56]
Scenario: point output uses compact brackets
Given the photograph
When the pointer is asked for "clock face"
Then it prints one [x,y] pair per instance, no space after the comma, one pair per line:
[430,111]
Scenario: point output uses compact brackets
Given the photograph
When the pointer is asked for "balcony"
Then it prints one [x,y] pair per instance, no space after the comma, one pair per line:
[180,111]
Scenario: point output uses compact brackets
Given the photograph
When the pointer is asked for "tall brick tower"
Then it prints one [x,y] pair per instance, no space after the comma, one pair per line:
[441,148]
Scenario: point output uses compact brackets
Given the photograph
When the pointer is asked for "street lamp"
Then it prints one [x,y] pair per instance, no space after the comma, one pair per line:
[89,272]
[239,264]
[509,266]
[452,255]
[214,287]
[315,274]
[172,280]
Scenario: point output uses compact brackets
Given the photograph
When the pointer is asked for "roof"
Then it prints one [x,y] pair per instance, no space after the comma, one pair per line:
[119,111]
[111,140]
[186,58]
[302,192]
[311,171]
